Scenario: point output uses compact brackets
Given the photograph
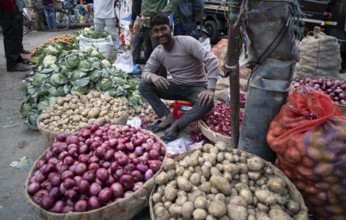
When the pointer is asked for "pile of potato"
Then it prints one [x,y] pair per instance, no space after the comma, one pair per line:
[71,113]
[214,182]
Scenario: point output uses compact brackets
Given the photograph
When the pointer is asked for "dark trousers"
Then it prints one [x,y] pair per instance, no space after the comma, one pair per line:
[150,44]
[21,29]
[12,44]
[176,92]
[137,46]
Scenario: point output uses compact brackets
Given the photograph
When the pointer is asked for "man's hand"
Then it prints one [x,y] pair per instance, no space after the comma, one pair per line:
[205,97]
[159,81]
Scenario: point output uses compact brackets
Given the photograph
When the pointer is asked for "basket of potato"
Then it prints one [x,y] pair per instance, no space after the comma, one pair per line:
[216,182]
[75,111]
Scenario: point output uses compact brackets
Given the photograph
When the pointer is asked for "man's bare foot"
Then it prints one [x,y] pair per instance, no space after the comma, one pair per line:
[169,119]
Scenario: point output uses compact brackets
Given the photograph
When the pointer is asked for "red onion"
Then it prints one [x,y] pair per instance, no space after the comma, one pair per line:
[123,160]
[68,160]
[33,188]
[129,168]
[55,192]
[39,195]
[94,159]
[47,168]
[100,152]
[93,166]
[40,178]
[154,165]
[142,167]
[71,194]
[89,176]
[113,143]
[80,169]
[72,139]
[93,202]
[137,175]
[67,209]
[47,202]
[128,194]
[84,149]
[105,195]
[109,155]
[102,174]
[119,172]
[60,137]
[84,158]
[95,189]
[148,174]
[69,183]
[139,151]
[81,206]
[154,154]
[106,164]
[83,186]
[117,190]
[55,179]
[127,181]
[62,155]
[66,174]
[58,207]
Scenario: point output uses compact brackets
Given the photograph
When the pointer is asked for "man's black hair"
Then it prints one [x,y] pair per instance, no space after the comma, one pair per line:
[159,18]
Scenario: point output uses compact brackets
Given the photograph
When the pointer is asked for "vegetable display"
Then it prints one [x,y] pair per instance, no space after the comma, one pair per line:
[336,89]
[91,33]
[71,113]
[77,71]
[94,167]
[216,182]
[219,119]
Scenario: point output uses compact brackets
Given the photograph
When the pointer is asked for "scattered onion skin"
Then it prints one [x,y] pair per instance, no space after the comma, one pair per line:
[94,167]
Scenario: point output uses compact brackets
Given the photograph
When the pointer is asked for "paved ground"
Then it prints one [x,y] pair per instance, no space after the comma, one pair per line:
[16,140]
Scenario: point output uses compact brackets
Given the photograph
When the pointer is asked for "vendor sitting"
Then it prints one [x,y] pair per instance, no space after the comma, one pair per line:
[194,74]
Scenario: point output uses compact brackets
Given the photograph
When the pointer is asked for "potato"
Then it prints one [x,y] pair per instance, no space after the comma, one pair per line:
[246,193]
[169,164]
[179,170]
[206,171]
[199,214]
[193,161]
[217,208]
[220,197]
[170,192]
[276,185]
[262,208]
[221,184]
[237,212]
[156,197]
[161,178]
[194,194]
[94,113]
[262,216]
[293,206]
[184,184]
[167,204]
[238,200]
[171,174]
[181,200]
[215,171]
[187,209]
[254,175]
[175,210]
[200,202]
[205,187]
[209,217]
[221,146]
[278,214]
[195,179]
[266,197]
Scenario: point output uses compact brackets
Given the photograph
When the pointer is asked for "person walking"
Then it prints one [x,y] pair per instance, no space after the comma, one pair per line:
[137,36]
[19,4]
[49,12]
[194,74]
[10,31]
[104,20]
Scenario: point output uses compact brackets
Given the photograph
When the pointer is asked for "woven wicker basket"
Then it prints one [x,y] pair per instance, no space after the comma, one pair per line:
[51,134]
[212,135]
[292,190]
[125,208]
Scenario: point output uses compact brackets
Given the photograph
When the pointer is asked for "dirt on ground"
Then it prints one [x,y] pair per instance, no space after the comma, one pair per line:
[16,140]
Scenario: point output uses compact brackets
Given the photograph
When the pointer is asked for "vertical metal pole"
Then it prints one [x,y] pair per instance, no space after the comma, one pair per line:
[232,68]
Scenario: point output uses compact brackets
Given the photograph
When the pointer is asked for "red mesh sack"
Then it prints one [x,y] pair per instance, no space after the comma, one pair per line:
[309,136]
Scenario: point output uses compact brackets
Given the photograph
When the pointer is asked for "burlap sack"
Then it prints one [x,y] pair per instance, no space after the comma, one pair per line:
[319,55]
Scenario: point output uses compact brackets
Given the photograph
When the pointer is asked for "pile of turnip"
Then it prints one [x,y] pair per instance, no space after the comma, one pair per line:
[73,112]
[93,168]
[214,182]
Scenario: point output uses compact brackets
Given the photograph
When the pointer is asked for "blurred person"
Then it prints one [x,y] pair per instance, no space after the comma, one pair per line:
[137,36]
[104,20]
[10,31]
[49,12]
[19,4]
[194,74]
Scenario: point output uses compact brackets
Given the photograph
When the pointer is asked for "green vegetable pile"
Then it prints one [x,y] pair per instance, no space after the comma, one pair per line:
[91,33]
[62,72]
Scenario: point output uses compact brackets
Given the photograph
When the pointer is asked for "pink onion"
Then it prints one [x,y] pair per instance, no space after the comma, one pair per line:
[102,174]
[117,189]
[81,206]
[127,181]
[33,188]
[93,202]
[58,207]
[95,189]
[105,195]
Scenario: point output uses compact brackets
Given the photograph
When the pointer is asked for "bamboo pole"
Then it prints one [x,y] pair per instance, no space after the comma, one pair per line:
[232,69]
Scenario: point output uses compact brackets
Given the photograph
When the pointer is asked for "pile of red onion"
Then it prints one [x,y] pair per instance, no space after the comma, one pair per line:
[336,89]
[95,167]
[219,119]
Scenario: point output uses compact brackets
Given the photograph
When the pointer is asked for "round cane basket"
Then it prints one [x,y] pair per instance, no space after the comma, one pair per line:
[212,135]
[51,134]
[292,190]
[121,209]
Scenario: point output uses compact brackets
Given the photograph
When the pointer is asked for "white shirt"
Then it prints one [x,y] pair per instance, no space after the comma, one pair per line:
[104,9]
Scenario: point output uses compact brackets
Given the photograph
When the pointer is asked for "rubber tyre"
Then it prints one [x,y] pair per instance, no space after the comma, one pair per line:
[214,33]
[62,20]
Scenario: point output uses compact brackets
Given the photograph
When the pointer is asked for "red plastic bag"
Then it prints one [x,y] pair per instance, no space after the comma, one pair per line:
[309,138]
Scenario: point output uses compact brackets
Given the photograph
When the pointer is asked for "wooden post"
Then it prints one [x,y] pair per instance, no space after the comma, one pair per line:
[232,68]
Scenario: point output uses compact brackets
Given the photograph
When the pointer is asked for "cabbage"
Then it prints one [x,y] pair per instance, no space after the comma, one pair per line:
[84,65]
[72,61]
[81,82]
[39,79]
[57,79]
[95,75]
[60,91]
[104,84]
[77,74]
[81,89]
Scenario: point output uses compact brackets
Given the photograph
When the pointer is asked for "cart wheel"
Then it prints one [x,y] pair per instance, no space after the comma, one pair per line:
[214,33]
[62,20]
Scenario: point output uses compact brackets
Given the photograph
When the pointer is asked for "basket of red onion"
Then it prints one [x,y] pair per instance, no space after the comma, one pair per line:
[335,88]
[98,173]
[216,125]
